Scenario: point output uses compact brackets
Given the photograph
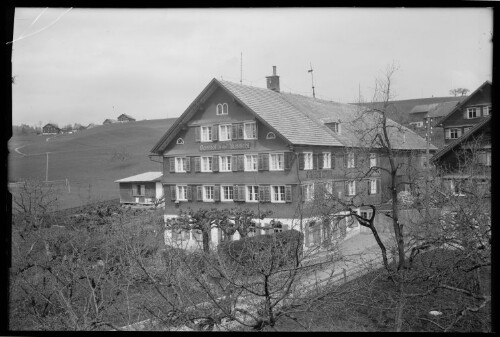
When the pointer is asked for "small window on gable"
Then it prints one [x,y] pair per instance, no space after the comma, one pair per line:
[334,126]
[222,109]
[271,135]
[180,141]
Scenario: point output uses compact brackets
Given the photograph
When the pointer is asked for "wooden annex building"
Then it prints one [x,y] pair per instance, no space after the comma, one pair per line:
[263,149]
[142,189]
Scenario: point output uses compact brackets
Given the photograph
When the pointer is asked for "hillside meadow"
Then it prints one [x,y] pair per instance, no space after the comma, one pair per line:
[91,159]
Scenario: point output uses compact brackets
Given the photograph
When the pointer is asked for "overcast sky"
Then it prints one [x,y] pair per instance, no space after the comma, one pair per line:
[86,65]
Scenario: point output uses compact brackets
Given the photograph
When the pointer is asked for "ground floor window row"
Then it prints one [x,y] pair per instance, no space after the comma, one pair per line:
[197,235]
[272,193]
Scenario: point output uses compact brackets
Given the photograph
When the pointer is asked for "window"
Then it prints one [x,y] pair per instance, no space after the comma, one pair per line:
[222,109]
[452,133]
[351,188]
[141,190]
[180,141]
[251,162]
[350,160]
[308,192]
[278,194]
[334,126]
[472,112]
[467,128]
[327,160]
[250,131]
[206,133]
[487,110]
[206,164]
[225,163]
[455,188]
[308,160]
[373,186]
[366,214]
[276,161]
[225,132]
[328,188]
[485,158]
[181,192]
[423,161]
[373,159]
[180,164]
[270,135]
[227,193]
[253,193]
[208,193]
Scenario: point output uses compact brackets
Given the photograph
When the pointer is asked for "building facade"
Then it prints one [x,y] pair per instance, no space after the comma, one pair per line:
[142,190]
[50,129]
[260,149]
[125,118]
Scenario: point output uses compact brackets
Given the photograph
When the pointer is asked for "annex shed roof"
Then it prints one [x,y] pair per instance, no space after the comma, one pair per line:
[143,177]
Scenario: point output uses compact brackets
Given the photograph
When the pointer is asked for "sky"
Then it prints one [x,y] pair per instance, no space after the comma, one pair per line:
[81,65]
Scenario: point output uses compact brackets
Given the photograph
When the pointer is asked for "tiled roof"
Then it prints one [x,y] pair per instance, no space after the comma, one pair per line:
[459,140]
[125,115]
[143,177]
[442,109]
[422,108]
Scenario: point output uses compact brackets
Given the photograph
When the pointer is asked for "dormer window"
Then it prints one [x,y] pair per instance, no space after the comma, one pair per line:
[334,126]
[222,109]
[270,135]
[180,141]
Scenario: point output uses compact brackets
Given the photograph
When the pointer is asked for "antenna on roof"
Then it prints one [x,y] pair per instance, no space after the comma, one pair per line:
[241,67]
[312,78]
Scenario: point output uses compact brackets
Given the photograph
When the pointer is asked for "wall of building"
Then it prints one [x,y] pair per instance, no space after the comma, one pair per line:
[127,195]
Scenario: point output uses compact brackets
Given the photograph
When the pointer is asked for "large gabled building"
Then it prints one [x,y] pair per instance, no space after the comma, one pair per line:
[263,149]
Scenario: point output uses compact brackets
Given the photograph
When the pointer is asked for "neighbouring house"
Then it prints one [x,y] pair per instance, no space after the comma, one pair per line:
[109,121]
[125,118]
[469,112]
[91,125]
[142,189]
[79,127]
[262,149]
[432,112]
[50,129]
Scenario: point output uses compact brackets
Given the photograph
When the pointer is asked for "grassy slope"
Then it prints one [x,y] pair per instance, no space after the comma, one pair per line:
[85,158]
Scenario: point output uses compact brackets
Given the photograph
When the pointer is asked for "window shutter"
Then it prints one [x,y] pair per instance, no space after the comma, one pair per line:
[241,162]
[240,131]
[315,161]
[346,190]
[215,163]
[267,193]
[369,187]
[321,159]
[197,134]
[319,190]
[187,164]
[378,186]
[345,160]
[234,131]
[234,163]
[263,161]
[217,192]
[173,194]
[134,189]
[459,133]
[199,193]
[215,133]
[241,192]
[355,160]
[288,193]
[301,161]
[333,160]
[236,196]
[261,193]
[172,165]
[197,164]
[189,192]
[288,160]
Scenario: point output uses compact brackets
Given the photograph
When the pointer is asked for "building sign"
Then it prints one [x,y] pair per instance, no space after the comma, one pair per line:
[225,146]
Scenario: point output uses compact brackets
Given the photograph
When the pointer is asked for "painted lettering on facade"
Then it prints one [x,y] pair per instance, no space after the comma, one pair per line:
[225,146]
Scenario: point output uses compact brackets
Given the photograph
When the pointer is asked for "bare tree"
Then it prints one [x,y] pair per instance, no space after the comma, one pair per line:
[461,91]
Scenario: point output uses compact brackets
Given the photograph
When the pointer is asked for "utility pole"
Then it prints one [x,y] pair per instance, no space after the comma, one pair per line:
[47,169]
[312,79]
[241,67]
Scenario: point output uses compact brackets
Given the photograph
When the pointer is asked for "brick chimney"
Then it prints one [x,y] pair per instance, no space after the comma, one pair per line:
[273,82]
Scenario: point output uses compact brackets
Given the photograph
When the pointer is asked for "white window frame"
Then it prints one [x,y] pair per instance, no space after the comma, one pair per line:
[206,133]
[308,160]
[351,160]
[245,136]
[179,164]
[281,193]
[209,160]
[473,109]
[328,188]
[205,189]
[251,162]
[373,160]
[277,161]
[351,188]
[448,133]
[181,191]
[227,133]
[252,190]
[225,167]
[270,135]
[223,195]
[487,110]
[373,186]
[308,192]
[327,160]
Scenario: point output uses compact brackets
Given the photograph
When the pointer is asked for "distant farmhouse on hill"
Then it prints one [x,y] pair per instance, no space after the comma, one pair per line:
[91,125]
[125,118]
[50,129]
[109,121]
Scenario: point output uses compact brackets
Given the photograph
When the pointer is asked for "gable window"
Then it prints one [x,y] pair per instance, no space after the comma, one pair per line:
[206,133]
[206,164]
[251,162]
[270,135]
[472,113]
[227,193]
[351,187]
[180,141]
[222,109]
[252,193]
[334,126]
[373,159]
[250,130]
[225,132]
[276,161]
[487,110]
[350,160]
[452,133]
[327,160]
[308,161]
[180,164]
[181,192]
[225,163]
[208,193]
[278,193]
[308,192]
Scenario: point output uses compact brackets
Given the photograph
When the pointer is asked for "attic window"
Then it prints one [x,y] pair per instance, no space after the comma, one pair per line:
[180,141]
[334,126]
[271,135]
[222,109]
